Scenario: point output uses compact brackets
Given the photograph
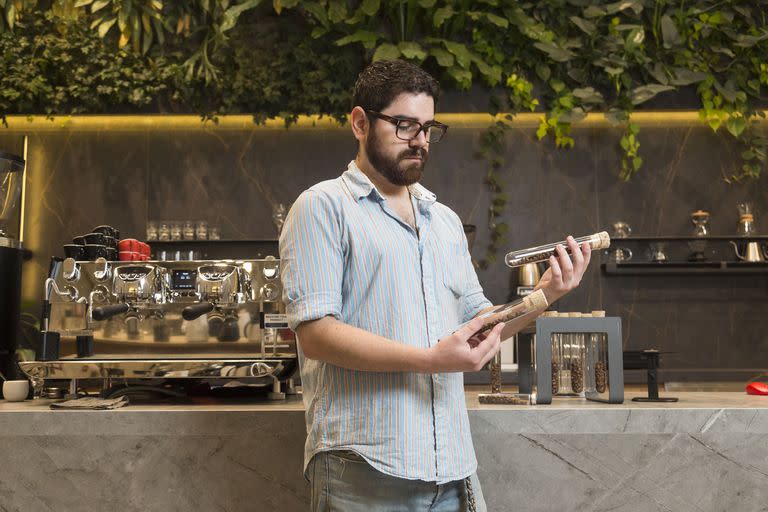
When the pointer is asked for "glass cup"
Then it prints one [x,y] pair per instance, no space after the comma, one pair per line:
[176,229]
[658,252]
[164,231]
[188,230]
[151,230]
[201,230]
[621,229]
[214,233]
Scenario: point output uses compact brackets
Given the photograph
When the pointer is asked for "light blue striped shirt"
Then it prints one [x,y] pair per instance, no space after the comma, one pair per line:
[345,253]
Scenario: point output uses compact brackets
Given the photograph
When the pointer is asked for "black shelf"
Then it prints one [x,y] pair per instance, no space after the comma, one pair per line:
[674,238]
[684,268]
[175,243]
[215,249]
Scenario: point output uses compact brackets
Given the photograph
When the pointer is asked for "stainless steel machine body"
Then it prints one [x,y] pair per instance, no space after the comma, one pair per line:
[213,319]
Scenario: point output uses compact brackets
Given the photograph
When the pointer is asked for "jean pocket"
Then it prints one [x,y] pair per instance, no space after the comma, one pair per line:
[347,456]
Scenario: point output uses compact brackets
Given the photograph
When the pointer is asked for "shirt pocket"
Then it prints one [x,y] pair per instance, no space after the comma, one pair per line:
[451,261]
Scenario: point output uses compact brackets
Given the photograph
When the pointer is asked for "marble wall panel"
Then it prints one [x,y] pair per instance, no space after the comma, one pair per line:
[78,179]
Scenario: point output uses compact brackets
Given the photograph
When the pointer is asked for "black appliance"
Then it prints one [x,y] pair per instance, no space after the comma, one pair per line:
[11,179]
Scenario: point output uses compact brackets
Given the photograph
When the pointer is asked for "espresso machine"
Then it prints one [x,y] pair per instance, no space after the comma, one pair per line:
[129,323]
[11,180]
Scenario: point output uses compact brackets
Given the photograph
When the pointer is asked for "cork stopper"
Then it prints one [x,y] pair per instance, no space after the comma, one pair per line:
[536,300]
[601,241]
[598,314]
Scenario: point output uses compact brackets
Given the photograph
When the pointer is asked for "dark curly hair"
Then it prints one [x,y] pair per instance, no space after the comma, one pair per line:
[384,80]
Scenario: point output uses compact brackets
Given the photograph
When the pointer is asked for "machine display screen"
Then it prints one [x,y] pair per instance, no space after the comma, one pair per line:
[183,279]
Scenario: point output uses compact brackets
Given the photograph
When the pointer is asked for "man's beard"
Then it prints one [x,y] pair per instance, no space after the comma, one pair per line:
[389,167]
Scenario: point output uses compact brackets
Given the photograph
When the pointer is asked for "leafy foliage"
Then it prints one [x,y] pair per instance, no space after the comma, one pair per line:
[564,58]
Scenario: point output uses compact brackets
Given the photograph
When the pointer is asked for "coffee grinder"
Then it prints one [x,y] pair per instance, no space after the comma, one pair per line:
[11,181]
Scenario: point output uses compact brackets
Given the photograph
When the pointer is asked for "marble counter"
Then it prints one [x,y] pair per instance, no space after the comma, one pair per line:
[707,452]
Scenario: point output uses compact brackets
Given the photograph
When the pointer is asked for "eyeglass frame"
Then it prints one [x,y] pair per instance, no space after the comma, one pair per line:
[423,127]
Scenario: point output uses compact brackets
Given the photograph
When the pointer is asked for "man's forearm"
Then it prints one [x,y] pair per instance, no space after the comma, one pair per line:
[335,342]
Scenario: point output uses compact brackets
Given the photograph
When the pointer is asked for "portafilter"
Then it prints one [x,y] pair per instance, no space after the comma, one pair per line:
[134,286]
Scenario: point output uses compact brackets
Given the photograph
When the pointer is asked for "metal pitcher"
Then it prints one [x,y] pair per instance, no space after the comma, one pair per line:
[754,252]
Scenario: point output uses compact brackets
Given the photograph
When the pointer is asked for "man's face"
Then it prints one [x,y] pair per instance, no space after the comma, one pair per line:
[400,161]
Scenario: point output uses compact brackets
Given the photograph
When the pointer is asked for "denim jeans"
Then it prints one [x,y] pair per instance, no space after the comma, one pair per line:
[342,481]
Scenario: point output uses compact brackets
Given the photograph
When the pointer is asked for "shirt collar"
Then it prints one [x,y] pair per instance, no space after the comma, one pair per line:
[361,186]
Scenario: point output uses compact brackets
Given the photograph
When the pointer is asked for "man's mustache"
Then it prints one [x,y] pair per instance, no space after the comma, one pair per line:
[416,152]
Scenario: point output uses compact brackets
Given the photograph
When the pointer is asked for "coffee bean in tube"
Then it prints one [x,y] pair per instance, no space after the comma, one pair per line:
[541,253]
[601,377]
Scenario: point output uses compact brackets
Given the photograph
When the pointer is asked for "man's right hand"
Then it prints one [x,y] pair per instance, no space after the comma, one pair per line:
[464,352]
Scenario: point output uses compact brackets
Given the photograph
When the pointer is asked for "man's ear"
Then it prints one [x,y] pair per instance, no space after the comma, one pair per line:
[360,123]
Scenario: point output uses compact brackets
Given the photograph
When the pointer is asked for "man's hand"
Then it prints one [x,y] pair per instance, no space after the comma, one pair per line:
[463,351]
[565,272]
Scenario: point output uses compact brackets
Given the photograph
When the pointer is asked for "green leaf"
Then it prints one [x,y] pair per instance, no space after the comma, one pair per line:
[615,7]
[337,11]
[370,7]
[497,20]
[669,32]
[646,92]
[427,4]
[543,71]
[411,50]
[10,14]
[463,57]
[635,38]
[318,32]
[682,76]
[491,73]
[735,125]
[105,26]
[615,116]
[555,52]
[316,10]
[442,14]
[366,37]
[99,4]
[588,95]
[462,76]
[386,51]
[82,3]
[233,13]
[444,58]
[594,12]
[586,26]
[557,85]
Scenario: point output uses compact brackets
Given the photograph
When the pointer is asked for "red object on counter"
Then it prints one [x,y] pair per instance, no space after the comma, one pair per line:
[144,249]
[757,388]
[129,245]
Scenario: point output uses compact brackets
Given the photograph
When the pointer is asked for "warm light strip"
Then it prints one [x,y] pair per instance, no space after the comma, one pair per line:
[245,122]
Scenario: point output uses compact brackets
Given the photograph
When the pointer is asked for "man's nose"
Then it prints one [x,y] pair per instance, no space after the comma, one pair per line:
[420,140]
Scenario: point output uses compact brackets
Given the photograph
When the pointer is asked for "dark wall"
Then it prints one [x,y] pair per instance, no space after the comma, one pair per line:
[718,323]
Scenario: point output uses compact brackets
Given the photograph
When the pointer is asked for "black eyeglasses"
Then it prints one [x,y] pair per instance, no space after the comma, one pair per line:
[408,129]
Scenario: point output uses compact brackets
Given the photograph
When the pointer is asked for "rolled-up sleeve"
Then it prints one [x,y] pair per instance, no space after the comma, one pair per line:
[311,259]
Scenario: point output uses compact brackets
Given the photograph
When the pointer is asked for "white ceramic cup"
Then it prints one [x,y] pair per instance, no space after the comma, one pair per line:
[15,390]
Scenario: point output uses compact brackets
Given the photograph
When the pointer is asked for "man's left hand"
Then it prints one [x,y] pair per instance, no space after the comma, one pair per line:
[565,272]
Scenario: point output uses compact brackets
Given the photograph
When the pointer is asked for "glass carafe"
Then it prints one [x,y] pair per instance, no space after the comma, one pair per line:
[746,218]
[699,218]
[11,171]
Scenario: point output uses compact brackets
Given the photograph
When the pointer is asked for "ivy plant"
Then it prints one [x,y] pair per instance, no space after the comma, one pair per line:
[562,58]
